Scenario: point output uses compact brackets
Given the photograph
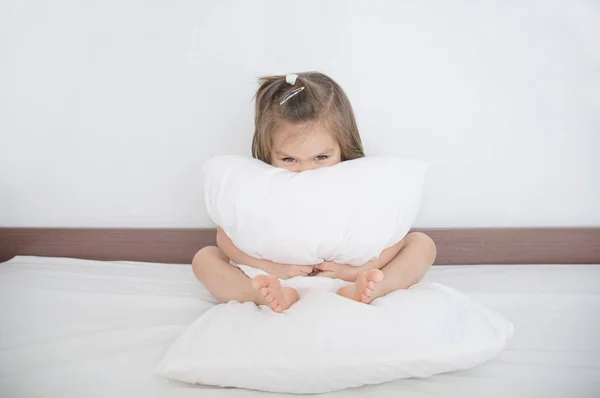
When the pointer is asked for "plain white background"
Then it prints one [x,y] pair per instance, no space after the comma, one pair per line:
[109,108]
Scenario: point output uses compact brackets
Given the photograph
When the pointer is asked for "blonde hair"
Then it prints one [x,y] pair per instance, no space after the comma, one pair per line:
[321,101]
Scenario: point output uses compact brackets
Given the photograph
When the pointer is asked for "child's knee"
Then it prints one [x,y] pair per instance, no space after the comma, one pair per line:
[204,258]
[425,244]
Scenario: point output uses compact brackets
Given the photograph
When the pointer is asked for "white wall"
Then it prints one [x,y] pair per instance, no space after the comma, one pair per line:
[108,108]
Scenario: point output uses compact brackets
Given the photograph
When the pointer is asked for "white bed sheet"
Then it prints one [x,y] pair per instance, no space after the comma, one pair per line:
[73,328]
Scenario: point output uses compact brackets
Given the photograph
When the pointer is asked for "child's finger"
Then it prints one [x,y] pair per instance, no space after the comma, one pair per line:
[303,269]
[323,267]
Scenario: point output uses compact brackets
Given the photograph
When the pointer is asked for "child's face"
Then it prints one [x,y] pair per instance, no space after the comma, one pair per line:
[304,147]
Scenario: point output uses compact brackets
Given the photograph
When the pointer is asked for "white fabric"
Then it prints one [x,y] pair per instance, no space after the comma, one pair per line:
[291,78]
[78,328]
[284,217]
[326,342]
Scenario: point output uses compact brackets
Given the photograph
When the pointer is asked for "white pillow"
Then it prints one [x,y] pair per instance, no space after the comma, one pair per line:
[326,342]
[348,213]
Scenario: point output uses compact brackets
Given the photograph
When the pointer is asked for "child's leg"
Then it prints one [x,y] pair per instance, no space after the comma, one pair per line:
[416,255]
[226,282]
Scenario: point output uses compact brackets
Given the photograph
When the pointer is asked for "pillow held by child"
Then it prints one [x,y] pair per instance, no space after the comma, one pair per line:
[348,213]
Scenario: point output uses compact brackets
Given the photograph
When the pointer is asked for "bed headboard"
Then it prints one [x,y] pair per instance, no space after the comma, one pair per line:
[455,246]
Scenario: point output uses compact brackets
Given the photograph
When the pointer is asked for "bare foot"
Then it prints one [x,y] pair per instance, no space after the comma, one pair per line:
[277,297]
[364,287]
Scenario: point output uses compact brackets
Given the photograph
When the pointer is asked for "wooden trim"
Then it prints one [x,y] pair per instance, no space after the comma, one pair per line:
[517,245]
[455,246]
[151,245]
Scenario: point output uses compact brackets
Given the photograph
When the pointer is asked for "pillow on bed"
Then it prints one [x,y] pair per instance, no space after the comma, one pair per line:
[348,213]
[326,342]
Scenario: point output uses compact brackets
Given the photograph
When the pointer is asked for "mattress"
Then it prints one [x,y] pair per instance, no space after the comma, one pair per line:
[74,328]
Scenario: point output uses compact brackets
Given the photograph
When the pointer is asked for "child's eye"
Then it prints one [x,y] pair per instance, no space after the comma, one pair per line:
[287,160]
[321,157]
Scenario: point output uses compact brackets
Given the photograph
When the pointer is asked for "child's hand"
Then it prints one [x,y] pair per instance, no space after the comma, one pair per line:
[287,271]
[330,269]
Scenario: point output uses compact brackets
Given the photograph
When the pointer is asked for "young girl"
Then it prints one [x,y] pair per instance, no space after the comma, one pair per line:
[304,122]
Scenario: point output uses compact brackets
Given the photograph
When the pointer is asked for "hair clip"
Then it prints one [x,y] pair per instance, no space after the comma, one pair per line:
[291,78]
[290,95]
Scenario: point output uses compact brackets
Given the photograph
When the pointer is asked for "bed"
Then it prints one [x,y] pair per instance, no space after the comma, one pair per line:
[74,327]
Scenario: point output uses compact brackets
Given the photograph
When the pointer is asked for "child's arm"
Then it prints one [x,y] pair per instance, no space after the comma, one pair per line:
[283,271]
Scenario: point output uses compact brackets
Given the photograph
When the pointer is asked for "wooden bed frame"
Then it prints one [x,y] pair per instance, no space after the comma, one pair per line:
[455,246]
